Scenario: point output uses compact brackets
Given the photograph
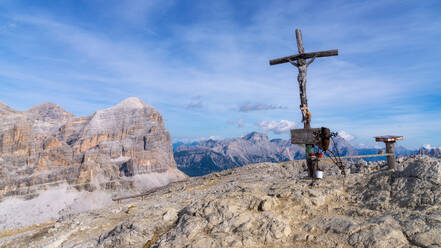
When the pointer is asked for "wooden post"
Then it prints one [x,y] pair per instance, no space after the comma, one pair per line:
[303,100]
[389,140]
[390,148]
[299,41]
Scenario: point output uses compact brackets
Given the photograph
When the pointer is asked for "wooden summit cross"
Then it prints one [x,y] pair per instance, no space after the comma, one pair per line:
[299,61]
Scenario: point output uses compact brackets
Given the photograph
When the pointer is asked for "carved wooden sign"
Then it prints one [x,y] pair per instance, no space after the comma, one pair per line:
[305,136]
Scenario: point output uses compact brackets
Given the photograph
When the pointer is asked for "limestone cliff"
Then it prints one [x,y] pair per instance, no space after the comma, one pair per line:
[47,145]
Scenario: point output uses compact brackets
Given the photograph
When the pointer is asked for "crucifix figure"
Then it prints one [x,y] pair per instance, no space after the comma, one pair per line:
[302,65]
[300,61]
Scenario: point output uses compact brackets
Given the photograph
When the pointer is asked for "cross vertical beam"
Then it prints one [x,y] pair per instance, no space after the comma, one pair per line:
[299,41]
[302,67]
[390,148]
[311,164]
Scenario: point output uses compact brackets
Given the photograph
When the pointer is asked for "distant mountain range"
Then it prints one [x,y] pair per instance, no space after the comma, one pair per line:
[432,152]
[207,156]
[203,157]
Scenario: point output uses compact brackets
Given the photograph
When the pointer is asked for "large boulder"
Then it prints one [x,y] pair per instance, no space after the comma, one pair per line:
[416,187]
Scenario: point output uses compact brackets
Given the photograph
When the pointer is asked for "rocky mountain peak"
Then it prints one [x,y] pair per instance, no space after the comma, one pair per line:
[256,137]
[125,115]
[132,103]
[431,151]
[49,110]
[5,109]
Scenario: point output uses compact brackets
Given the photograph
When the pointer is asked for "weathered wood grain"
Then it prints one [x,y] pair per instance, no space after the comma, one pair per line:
[286,59]
[305,136]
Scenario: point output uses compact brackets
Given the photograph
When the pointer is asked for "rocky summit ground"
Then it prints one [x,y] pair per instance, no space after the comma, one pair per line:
[264,205]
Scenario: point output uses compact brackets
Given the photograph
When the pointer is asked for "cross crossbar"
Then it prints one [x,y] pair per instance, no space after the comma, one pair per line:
[286,59]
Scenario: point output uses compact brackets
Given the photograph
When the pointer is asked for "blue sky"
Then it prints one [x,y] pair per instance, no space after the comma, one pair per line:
[204,64]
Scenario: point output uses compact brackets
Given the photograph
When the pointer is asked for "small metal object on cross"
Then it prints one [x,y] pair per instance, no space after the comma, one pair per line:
[299,61]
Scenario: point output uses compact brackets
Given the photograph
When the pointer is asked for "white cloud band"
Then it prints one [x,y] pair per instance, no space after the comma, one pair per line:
[277,127]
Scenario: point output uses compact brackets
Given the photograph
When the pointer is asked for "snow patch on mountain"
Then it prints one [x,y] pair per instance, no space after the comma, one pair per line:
[346,136]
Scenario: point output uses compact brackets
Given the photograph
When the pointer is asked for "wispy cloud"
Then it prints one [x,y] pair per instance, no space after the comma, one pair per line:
[195,103]
[237,123]
[247,107]
[277,127]
[427,146]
